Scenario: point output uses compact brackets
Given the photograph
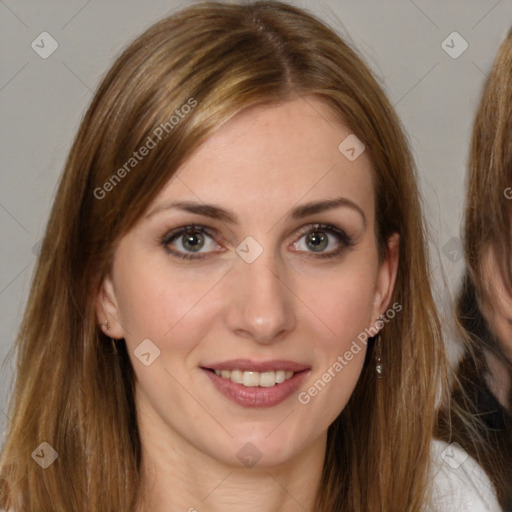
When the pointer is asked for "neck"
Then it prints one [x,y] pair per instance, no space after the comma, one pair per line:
[178,477]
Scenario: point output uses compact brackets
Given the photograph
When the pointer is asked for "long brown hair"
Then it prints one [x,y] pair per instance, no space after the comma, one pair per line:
[487,225]
[76,393]
[488,214]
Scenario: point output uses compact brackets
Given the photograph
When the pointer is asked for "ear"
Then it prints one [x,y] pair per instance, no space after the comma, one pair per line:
[107,310]
[386,277]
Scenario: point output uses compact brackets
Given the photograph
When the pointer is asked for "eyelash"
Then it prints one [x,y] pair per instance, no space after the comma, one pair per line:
[344,240]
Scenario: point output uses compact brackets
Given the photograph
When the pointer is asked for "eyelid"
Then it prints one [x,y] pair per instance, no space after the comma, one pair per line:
[174,233]
[319,226]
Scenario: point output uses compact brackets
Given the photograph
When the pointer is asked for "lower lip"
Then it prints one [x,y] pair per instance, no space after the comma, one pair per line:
[257,396]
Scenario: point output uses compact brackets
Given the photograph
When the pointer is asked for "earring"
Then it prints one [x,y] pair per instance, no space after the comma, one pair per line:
[114,345]
[106,324]
[379,368]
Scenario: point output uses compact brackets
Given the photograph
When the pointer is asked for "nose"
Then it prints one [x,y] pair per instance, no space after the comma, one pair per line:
[262,305]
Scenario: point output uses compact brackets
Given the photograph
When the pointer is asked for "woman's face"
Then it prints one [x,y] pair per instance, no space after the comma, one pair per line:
[277,275]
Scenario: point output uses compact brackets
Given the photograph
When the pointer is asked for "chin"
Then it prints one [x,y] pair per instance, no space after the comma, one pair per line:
[262,449]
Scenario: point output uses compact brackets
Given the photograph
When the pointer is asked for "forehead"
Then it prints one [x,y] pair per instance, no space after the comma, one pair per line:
[273,157]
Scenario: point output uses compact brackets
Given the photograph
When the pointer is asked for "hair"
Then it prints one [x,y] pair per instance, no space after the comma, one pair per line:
[75,392]
[488,223]
[488,215]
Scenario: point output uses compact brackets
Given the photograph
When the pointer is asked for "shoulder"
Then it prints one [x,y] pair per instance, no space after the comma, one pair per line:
[458,482]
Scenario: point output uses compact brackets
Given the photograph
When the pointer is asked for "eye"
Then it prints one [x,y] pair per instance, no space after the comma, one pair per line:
[316,238]
[196,242]
[190,242]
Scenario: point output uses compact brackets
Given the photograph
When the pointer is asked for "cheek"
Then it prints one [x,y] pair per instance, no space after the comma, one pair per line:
[342,300]
[155,300]
[345,308]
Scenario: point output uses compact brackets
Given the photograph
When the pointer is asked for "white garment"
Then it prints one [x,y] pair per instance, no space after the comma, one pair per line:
[459,484]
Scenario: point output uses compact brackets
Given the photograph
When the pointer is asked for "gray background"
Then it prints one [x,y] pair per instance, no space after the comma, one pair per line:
[43,100]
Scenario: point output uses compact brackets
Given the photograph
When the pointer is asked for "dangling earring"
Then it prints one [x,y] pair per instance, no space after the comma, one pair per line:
[379,368]
[114,345]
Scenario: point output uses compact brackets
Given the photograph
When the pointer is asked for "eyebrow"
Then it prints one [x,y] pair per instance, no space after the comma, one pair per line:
[216,212]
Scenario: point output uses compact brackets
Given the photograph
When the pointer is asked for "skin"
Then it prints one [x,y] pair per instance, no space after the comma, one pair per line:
[499,317]
[288,304]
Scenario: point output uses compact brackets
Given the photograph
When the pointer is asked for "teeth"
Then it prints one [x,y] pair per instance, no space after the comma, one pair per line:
[267,379]
[236,376]
[253,379]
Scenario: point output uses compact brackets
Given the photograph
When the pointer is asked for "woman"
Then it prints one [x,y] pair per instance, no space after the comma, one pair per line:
[484,384]
[232,306]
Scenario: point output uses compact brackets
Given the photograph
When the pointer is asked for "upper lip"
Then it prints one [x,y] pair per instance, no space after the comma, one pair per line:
[247,365]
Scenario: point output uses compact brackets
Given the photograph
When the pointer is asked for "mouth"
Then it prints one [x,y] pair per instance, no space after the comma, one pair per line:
[253,384]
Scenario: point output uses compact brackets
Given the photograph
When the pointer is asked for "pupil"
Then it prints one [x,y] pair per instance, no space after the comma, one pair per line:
[318,241]
[193,241]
